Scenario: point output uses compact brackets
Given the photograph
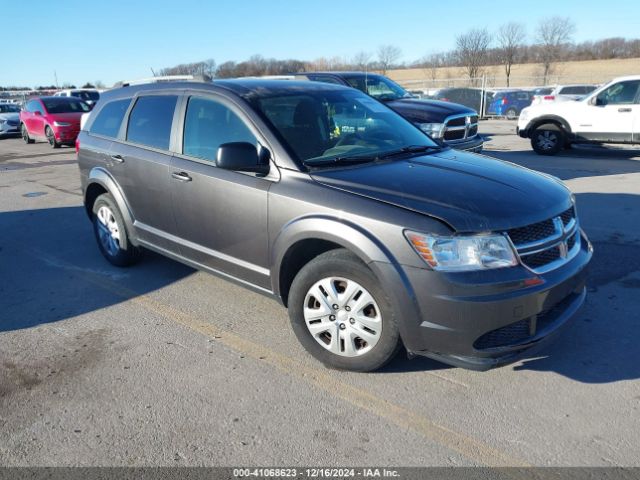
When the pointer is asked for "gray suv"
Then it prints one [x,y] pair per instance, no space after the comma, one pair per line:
[374,236]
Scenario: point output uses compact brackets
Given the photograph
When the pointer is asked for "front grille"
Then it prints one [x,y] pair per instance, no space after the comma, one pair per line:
[454,135]
[532,233]
[541,244]
[457,122]
[13,123]
[567,216]
[460,127]
[525,329]
[540,259]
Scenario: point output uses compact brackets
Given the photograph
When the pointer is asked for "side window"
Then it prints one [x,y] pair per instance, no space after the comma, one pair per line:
[37,107]
[30,106]
[208,124]
[323,79]
[150,121]
[109,119]
[619,93]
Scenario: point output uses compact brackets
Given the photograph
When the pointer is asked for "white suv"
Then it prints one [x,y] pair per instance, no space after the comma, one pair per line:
[610,114]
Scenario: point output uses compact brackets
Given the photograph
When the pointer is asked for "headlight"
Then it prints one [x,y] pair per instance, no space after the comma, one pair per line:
[463,253]
[61,124]
[435,130]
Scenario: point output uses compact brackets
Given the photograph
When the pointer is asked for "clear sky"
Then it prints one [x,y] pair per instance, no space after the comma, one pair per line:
[111,40]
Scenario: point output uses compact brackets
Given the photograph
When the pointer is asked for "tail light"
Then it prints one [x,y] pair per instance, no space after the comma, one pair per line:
[445,99]
[505,101]
[77,145]
[549,97]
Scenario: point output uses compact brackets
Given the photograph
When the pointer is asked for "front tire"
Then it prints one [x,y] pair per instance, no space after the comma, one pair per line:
[341,314]
[25,134]
[51,138]
[111,233]
[547,139]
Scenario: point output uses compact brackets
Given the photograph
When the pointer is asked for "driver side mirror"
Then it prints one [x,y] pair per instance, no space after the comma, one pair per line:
[242,157]
[37,112]
[598,102]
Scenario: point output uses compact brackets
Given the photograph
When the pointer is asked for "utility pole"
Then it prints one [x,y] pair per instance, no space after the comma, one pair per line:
[55,75]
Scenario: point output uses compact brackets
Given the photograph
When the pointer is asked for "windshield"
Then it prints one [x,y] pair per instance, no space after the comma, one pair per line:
[87,95]
[378,87]
[65,105]
[318,126]
[9,108]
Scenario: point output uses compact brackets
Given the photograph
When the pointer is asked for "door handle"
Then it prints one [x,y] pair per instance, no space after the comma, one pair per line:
[624,109]
[183,177]
[117,158]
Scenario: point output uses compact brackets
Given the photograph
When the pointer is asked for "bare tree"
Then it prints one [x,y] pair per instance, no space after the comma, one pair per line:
[431,64]
[552,35]
[510,39]
[388,56]
[361,60]
[471,51]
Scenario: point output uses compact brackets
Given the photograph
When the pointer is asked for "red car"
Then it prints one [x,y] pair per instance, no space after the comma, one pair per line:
[53,119]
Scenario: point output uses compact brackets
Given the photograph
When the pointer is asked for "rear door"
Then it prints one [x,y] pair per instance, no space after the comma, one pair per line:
[221,215]
[141,163]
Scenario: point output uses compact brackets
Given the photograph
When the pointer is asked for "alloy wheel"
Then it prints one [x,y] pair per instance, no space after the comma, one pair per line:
[547,140]
[108,230]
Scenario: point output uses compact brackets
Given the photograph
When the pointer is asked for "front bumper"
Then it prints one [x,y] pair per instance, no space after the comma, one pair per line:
[66,134]
[480,320]
[8,129]
[473,144]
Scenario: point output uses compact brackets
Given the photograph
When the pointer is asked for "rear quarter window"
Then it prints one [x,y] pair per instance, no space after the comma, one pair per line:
[150,121]
[110,118]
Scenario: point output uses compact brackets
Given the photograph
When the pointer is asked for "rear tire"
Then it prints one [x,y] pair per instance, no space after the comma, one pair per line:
[341,315]
[511,114]
[25,134]
[547,139]
[111,233]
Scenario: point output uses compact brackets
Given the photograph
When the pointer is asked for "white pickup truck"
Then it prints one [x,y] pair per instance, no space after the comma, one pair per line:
[610,114]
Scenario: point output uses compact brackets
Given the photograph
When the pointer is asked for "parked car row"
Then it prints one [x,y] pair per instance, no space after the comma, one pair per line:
[508,102]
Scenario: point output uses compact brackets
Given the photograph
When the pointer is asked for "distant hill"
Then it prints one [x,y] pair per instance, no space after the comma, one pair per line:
[527,74]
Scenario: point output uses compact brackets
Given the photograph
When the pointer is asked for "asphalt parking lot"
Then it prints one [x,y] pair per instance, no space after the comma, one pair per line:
[162,365]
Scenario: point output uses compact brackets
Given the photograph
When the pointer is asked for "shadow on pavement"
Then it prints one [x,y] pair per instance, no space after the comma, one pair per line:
[46,259]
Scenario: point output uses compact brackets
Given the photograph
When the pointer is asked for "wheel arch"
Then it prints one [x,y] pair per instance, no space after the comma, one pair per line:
[552,119]
[303,239]
[99,182]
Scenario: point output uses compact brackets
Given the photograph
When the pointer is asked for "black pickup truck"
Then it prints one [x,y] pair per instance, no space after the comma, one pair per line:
[450,123]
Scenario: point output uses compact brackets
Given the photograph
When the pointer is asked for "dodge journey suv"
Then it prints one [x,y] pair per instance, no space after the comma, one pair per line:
[372,235]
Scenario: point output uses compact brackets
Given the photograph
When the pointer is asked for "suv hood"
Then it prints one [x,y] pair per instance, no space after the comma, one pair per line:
[420,110]
[10,116]
[67,117]
[471,193]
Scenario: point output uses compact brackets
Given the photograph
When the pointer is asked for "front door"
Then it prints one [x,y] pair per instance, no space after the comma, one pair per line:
[610,116]
[221,215]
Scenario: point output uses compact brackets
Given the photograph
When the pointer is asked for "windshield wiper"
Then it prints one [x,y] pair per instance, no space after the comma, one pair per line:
[341,160]
[410,149]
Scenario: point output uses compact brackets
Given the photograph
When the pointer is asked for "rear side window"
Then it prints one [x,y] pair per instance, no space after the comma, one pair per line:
[150,121]
[572,90]
[109,119]
[208,124]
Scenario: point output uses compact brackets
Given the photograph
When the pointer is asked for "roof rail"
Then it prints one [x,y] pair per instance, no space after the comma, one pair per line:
[166,78]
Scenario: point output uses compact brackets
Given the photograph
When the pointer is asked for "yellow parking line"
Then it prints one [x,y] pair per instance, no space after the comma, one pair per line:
[471,448]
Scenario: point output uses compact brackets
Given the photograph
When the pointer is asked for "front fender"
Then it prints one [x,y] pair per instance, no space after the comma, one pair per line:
[100,176]
[360,242]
